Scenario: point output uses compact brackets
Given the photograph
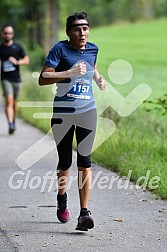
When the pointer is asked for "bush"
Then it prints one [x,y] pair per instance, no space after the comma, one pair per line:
[37,58]
[161,104]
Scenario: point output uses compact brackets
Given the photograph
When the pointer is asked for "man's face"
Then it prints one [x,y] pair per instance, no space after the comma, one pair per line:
[79,34]
[7,34]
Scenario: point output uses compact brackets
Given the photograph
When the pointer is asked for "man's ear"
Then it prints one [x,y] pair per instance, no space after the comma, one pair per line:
[67,32]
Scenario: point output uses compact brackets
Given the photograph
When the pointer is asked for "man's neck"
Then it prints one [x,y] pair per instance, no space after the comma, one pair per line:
[8,43]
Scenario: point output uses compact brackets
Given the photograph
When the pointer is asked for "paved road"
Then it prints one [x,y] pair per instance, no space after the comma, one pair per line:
[129,220]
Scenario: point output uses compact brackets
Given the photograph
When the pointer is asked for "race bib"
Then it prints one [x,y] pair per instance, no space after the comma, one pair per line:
[8,66]
[81,89]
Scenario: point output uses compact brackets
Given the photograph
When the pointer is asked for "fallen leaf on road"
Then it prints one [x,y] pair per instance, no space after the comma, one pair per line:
[118,220]
[144,200]
[34,216]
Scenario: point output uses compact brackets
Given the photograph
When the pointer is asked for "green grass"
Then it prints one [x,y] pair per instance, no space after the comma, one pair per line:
[139,142]
[31,91]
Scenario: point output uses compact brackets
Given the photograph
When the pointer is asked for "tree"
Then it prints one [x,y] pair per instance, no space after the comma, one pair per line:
[51,24]
[33,17]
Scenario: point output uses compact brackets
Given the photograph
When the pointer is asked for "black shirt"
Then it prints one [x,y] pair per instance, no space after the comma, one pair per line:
[10,71]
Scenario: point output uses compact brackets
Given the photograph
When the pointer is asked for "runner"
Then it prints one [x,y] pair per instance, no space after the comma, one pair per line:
[72,65]
[12,55]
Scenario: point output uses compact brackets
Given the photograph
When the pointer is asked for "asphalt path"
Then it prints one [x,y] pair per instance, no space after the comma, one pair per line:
[127,218]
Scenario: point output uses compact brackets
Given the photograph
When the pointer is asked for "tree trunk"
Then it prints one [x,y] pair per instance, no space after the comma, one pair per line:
[51,24]
[148,9]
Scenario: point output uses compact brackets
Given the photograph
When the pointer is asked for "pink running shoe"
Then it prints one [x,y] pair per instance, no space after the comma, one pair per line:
[63,213]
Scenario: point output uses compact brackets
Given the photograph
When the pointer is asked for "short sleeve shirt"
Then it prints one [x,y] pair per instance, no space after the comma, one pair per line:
[73,94]
[10,71]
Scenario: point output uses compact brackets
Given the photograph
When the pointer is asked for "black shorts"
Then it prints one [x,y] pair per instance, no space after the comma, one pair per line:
[63,128]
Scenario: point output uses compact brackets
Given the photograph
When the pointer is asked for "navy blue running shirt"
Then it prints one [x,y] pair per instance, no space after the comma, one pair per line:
[73,95]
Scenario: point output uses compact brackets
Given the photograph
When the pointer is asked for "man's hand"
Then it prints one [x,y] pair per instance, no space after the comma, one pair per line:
[13,60]
[101,83]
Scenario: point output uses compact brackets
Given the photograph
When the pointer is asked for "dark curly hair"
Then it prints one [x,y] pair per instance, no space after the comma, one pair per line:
[74,17]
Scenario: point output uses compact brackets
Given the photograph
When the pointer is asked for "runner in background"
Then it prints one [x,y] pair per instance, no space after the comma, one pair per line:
[12,55]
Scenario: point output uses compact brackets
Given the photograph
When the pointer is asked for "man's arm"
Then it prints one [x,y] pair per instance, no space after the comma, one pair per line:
[24,61]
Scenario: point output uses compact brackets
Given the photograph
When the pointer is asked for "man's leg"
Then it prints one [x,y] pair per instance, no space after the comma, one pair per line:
[14,109]
[16,89]
[10,113]
[9,108]
[10,91]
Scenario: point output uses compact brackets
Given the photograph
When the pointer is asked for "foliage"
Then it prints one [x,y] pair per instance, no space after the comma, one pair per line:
[161,104]
[37,57]
[37,22]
